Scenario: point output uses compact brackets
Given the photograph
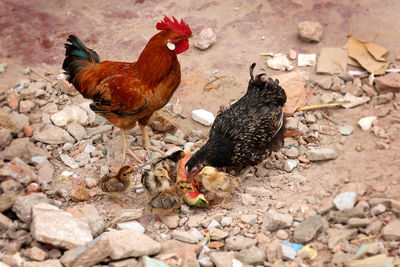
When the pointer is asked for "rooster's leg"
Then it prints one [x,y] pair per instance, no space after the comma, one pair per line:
[146,140]
[125,148]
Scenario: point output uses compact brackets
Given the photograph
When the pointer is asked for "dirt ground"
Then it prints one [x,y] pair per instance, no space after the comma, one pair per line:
[33,33]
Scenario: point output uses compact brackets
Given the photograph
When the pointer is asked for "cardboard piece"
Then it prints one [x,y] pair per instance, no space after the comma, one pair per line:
[358,50]
[376,51]
[332,60]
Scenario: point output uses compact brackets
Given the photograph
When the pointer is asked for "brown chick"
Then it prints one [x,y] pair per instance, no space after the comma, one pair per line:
[118,183]
[166,201]
[162,173]
[220,183]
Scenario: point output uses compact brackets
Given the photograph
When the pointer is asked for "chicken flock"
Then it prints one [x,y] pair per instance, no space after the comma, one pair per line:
[124,93]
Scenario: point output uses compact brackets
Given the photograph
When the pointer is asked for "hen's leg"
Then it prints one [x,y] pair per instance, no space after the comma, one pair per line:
[146,140]
[125,148]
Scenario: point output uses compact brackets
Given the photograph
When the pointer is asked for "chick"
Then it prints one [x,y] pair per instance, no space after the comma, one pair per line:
[220,183]
[162,173]
[166,201]
[118,183]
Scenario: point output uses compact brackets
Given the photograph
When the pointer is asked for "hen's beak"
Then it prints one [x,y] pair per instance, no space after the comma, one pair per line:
[190,36]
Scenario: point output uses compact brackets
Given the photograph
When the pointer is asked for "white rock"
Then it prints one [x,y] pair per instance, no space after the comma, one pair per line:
[184,237]
[366,123]
[214,223]
[69,114]
[279,62]
[354,100]
[206,39]
[226,221]
[288,253]
[23,205]
[306,60]
[86,107]
[345,200]
[196,233]
[89,148]
[295,124]
[346,130]
[132,225]
[290,164]
[53,135]
[274,220]
[70,162]
[321,154]
[54,226]
[77,131]
[203,116]
[378,209]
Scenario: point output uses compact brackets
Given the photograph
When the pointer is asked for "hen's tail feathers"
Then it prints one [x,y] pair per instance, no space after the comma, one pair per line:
[77,59]
[272,89]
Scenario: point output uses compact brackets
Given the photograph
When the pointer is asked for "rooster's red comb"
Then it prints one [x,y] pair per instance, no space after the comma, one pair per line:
[179,27]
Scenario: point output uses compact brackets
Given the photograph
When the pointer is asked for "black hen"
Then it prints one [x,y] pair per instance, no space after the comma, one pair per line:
[246,132]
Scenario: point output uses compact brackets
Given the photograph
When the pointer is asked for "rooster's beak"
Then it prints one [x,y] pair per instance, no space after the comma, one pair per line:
[190,36]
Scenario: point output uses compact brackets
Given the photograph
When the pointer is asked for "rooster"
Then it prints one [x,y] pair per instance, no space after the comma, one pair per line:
[246,132]
[126,93]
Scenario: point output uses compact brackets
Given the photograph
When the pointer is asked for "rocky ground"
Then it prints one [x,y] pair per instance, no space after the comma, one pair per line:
[330,197]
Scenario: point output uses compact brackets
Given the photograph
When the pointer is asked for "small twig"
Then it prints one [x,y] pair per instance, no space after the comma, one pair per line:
[41,76]
[207,84]
[329,119]
[305,108]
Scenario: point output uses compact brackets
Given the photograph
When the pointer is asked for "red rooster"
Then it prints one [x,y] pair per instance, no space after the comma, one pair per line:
[126,93]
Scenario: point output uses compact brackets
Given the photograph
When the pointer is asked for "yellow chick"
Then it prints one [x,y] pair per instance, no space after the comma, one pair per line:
[118,183]
[220,183]
[166,201]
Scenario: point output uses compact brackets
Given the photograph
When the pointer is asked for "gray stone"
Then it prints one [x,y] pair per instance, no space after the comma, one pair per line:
[281,234]
[87,255]
[358,222]
[128,243]
[20,171]
[273,221]
[321,154]
[258,191]
[124,263]
[150,262]
[5,222]
[217,234]
[50,108]
[295,124]
[226,221]
[288,253]
[98,130]
[222,259]
[47,263]
[69,161]
[53,135]
[354,101]
[378,209]
[171,221]
[184,237]
[54,226]
[292,153]
[391,231]
[307,229]
[249,218]
[239,242]
[23,205]
[340,235]
[310,31]
[96,224]
[345,200]
[19,120]
[251,256]
[325,83]
[374,228]
[343,216]
[26,106]
[24,149]
[290,164]
[196,220]
[5,138]
[77,131]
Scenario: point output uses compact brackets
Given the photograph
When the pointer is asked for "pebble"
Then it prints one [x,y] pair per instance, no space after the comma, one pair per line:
[5,138]
[354,101]
[337,236]
[69,114]
[274,220]
[378,209]
[247,199]
[292,153]
[77,131]
[391,231]
[132,225]
[23,205]
[346,130]
[310,31]
[5,222]
[326,83]
[217,234]
[239,242]
[290,164]
[345,200]
[358,222]
[53,135]
[19,120]
[226,221]
[258,191]
[206,39]
[163,120]
[69,161]
[288,252]
[98,130]
[25,106]
[47,263]
[282,234]
[374,227]
[292,54]
[195,220]
[249,218]
[36,254]
[54,226]
[251,256]
[214,223]
[203,116]
[223,259]
[295,124]
[388,83]
[307,229]
[185,237]
[367,122]
[321,154]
